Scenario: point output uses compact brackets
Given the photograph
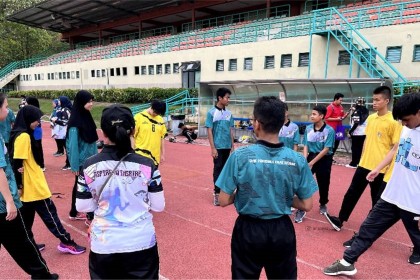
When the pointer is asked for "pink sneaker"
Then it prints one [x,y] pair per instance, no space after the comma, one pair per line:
[79,216]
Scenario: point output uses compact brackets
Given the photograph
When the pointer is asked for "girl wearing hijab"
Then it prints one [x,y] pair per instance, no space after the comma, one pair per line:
[35,193]
[123,238]
[37,132]
[81,144]
[55,129]
[61,120]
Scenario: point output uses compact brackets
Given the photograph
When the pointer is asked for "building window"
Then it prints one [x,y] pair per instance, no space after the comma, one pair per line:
[98,73]
[72,74]
[233,64]
[303,59]
[118,71]
[159,69]
[167,69]
[343,58]
[176,68]
[143,70]
[248,63]
[269,62]
[220,65]
[49,76]
[286,61]
[77,75]
[112,74]
[68,75]
[103,73]
[136,70]
[151,69]
[124,71]
[61,77]
[393,54]
[416,54]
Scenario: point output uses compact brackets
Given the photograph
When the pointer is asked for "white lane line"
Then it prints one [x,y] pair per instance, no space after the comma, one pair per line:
[81,232]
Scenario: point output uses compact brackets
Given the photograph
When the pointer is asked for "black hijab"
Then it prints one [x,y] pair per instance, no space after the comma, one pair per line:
[82,118]
[25,116]
[65,102]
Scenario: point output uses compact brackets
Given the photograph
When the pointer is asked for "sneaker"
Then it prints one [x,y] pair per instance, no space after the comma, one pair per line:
[53,276]
[338,268]
[216,199]
[414,258]
[350,166]
[43,169]
[41,247]
[66,167]
[299,215]
[334,221]
[57,154]
[71,248]
[79,216]
[348,243]
[323,209]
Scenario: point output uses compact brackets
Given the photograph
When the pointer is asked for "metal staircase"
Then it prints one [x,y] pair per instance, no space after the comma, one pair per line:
[330,22]
[11,70]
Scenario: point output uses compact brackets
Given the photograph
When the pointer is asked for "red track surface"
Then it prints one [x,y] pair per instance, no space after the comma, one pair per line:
[194,236]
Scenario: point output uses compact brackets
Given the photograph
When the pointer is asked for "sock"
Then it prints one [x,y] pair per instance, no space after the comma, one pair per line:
[344,262]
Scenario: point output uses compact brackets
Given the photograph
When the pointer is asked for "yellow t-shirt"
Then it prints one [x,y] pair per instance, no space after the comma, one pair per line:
[148,134]
[388,172]
[381,135]
[35,185]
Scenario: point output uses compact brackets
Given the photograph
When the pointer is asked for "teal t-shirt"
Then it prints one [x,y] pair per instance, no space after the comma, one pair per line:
[289,134]
[5,164]
[221,122]
[317,140]
[6,126]
[266,177]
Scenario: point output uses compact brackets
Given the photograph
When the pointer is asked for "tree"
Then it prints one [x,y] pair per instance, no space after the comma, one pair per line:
[20,42]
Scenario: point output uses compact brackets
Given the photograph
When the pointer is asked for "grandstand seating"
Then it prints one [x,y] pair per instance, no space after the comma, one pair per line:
[372,13]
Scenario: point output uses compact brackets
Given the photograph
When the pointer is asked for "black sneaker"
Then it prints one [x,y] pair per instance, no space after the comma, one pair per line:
[414,258]
[41,247]
[66,167]
[334,221]
[348,243]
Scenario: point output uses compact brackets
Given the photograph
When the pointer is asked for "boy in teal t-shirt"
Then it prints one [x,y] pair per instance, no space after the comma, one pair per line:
[318,142]
[263,181]
[289,133]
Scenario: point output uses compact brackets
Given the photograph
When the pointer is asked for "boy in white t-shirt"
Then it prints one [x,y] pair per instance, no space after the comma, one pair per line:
[400,199]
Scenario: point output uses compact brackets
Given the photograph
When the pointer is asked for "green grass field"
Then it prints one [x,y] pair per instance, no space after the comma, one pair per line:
[46,107]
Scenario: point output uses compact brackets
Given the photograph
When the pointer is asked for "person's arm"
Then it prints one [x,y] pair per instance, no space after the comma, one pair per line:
[319,156]
[305,151]
[232,139]
[84,199]
[295,147]
[155,189]
[162,150]
[328,117]
[301,204]
[226,199]
[385,162]
[5,192]
[211,141]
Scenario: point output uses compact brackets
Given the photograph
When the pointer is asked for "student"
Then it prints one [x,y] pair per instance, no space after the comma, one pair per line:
[81,144]
[188,131]
[123,238]
[60,122]
[14,237]
[150,132]
[263,181]
[318,142]
[35,194]
[357,131]
[37,133]
[55,129]
[381,136]
[6,126]
[289,132]
[400,199]
[335,116]
[219,124]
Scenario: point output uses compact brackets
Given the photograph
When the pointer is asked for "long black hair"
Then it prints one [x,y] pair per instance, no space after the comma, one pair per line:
[118,124]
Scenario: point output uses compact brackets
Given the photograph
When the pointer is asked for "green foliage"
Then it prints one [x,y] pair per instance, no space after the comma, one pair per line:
[20,42]
[116,95]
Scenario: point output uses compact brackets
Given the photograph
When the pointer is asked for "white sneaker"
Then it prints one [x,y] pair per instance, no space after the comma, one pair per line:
[299,215]
[350,166]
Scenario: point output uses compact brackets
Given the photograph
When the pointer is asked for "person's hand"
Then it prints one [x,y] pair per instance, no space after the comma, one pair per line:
[20,191]
[372,175]
[310,164]
[214,153]
[53,119]
[20,170]
[11,210]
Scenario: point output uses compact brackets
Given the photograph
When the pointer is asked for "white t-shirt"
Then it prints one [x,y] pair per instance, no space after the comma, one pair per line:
[403,189]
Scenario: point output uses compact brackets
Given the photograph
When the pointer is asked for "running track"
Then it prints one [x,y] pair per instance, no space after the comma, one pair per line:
[194,236]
